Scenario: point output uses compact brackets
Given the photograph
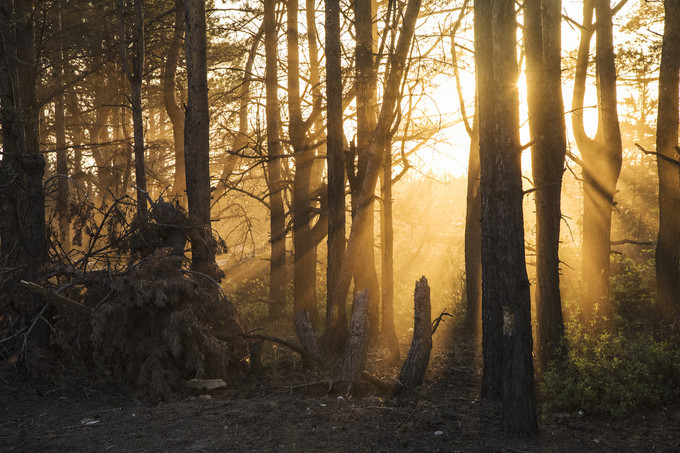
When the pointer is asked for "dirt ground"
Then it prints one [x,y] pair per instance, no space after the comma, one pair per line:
[291,410]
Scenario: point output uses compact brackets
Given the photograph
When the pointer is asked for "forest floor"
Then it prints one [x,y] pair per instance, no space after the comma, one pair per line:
[288,409]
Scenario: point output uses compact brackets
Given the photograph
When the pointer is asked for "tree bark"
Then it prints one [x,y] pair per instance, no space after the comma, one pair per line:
[387,238]
[172,107]
[304,255]
[197,140]
[542,42]
[668,240]
[62,208]
[135,75]
[601,157]
[506,305]
[305,333]
[357,342]
[365,276]
[415,366]
[380,138]
[22,201]
[336,317]
[277,278]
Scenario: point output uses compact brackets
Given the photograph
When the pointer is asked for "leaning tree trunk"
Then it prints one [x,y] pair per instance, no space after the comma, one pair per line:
[546,122]
[668,241]
[380,138]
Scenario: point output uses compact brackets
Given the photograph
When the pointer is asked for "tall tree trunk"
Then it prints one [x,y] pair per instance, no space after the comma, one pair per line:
[197,140]
[380,138]
[277,278]
[336,317]
[546,121]
[304,251]
[241,138]
[172,107]
[506,305]
[63,211]
[135,75]
[473,206]
[668,241]
[387,238]
[22,201]
[365,276]
[601,156]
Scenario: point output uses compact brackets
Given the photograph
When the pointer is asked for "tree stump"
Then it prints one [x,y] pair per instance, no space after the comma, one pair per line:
[357,342]
[305,333]
[413,371]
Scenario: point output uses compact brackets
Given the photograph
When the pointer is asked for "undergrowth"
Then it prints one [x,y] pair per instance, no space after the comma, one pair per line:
[618,366]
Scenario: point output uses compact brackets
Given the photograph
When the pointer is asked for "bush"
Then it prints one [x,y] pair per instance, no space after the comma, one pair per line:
[612,373]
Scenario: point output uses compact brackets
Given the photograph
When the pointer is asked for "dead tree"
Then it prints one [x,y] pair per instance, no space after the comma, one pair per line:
[305,332]
[357,343]
[413,371]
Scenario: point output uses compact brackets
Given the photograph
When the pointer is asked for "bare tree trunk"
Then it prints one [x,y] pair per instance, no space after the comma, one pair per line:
[415,366]
[241,139]
[364,204]
[277,278]
[365,276]
[546,121]
[357,342]
[197,140]
[63,211]
[336,318]
[304,259]
[601,157]
[668,241]
[135,76]
[387,239]
[506,304]
[22,200]
[172,107]
[473,207]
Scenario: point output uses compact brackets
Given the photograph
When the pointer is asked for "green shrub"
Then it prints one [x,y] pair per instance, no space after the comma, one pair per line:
[612,373]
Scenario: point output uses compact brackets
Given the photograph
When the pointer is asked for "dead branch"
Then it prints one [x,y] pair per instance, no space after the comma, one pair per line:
[631,241]
[439,319]
[659,155]
[306,357]
[56,299]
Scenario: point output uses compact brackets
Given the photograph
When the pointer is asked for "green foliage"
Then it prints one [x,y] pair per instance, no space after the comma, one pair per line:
[611,373]
[616,366]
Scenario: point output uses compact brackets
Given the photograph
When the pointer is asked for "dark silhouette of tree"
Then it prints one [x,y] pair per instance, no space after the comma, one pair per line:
[668,241]
[197,140]
[336,317]
[277,277]
[542,43]
[506,306]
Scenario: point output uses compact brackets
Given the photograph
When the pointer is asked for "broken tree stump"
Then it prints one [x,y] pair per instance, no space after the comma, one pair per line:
[305,333]
[413,371]
[357,342]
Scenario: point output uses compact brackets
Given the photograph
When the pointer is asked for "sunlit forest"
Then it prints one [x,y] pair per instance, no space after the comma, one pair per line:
[434,226]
